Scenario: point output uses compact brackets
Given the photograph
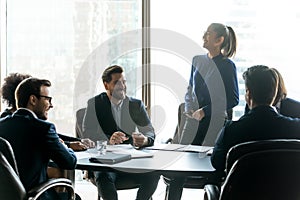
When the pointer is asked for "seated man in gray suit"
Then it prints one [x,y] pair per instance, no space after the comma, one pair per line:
[115,116]
[34,140]
[262,122]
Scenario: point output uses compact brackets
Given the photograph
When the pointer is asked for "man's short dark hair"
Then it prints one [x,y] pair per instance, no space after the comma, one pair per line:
[262,82]
[28,87]
[107,74]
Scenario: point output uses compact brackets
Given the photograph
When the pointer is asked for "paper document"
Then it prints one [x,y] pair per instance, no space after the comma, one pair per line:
[166,147]
[83,154]
[209,153]
[196,148]
[128,149]
[181,147]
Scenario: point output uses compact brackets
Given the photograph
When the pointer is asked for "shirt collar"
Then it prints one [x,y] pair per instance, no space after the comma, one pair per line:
[116,107]
[264,107]
[34,115]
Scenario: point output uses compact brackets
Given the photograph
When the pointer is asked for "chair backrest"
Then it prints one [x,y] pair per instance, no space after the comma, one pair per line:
[192,125]
[247,147]
[179,127]
[8,153]
[79,120]
[267,172]
[11,186]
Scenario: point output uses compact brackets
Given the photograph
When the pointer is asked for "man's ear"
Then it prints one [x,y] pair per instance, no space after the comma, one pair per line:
[105,85]
[249,93]
[248,98]
[32,100]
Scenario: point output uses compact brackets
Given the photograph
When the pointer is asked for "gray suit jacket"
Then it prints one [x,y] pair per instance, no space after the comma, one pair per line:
[99,123]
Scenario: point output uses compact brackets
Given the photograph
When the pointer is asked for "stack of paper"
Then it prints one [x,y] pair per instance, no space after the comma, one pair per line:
[196,148]
[128,149]
[181,147]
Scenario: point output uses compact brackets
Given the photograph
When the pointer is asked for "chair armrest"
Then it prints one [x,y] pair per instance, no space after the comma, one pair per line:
[37,191]
[211,192]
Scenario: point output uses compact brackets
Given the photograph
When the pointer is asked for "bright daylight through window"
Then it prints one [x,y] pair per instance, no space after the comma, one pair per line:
[56,39]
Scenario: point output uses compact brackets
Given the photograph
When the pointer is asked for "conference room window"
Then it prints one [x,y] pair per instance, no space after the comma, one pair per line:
[61,39]
[267,33]
[70,42]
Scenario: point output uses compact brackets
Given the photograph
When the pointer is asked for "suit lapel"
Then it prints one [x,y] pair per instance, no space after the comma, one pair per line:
[104,114]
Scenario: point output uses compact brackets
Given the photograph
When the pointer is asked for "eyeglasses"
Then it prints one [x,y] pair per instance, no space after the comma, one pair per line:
[46,97]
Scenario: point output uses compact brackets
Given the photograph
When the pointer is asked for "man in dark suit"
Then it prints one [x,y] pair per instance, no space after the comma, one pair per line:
[261,122]
[8,96]
[284,105]
[114,116]
[34,140]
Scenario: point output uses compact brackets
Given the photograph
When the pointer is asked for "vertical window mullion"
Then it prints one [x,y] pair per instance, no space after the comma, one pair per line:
[146,59]
[3,17]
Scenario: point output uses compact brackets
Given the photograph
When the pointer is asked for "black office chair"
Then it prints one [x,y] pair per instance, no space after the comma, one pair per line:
[260,170]
[79,120]
[121,184]
[11,187]
[191,182]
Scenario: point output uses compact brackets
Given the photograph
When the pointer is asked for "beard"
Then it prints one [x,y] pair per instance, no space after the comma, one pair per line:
[118,94]
[41,115]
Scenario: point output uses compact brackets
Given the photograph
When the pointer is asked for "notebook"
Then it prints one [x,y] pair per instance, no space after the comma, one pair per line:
[110,158]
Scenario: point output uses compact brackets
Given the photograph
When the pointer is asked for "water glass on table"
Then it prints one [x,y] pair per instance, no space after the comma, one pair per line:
[101,147]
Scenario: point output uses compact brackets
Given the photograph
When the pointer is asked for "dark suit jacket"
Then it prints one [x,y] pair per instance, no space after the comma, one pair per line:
[99,123]
[290,107]
[65,138]
[5,113]
[260,123]
[287,107]
[34,142]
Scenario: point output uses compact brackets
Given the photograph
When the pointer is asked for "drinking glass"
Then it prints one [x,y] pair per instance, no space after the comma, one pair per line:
[101,147]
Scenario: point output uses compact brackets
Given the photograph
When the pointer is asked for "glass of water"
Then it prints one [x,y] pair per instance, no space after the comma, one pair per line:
[101,147]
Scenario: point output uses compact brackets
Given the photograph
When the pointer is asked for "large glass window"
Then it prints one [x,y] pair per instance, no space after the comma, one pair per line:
[70,42]
[266,31]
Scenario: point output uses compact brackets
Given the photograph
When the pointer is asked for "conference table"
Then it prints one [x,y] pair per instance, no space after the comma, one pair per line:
[165,159]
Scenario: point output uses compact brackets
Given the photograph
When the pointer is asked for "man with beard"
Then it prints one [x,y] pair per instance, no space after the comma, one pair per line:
[33,139]
[114,116]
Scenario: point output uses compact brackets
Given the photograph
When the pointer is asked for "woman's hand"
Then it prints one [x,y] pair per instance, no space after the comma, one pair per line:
[198,114]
